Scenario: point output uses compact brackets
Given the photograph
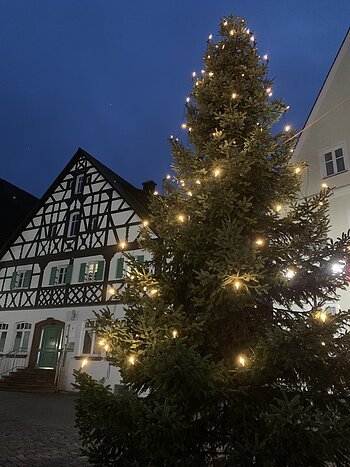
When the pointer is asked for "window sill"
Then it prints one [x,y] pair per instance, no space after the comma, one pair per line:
[334,175]
[92,358]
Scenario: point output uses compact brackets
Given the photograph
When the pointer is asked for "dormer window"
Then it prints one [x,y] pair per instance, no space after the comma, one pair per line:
[79,184]
[74,224]
[334,161]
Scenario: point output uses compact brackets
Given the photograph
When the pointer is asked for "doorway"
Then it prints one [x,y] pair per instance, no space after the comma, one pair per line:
[49,347]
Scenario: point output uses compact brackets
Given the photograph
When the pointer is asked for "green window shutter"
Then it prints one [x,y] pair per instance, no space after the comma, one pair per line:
[99,272]
[140,259]
[82,272]
[53,276]
[13,280]
[69,273]
[120,268]
[27,277]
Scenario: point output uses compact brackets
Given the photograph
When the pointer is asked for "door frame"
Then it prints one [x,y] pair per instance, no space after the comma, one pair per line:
[37,336]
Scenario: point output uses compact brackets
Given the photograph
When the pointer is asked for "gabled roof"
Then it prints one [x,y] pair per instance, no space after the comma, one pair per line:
[343,49]
[137,199]
[15,205]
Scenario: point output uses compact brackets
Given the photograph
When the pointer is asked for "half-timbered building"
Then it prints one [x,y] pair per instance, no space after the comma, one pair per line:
[63,263]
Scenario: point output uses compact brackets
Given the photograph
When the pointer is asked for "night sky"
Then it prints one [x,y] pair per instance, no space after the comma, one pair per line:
[112,76]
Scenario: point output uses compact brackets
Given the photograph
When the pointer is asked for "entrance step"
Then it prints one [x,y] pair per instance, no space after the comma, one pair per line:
[29,380]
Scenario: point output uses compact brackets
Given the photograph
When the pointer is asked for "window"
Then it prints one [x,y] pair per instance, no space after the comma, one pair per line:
[52,230]
[21,279]
[3,335]
[74,225]
[93,223]
[334,162]
[22,336]
[90,339]
[69,183]
[79,184]
[61,275]
[90,272]
[87,179]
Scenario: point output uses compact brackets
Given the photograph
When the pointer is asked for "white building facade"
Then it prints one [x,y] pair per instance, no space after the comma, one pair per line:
[65,262]
[325,145]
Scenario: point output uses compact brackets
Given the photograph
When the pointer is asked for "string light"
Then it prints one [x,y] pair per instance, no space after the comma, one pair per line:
[194,74]
[320,203]
[122,245]
[190,193]
[321,316]
[278,207]
[181,218]
[232,32]
[202,71]
[210,74]
[188,99]
[155,193]
[174,334]
[84,362]
[208,56]
[248,31]
[323,343]
[102,342]
[106,347]
[259,241]
[324,185]
[168,177]
[290,273]
[153,292]
[242,360]
[225,23]
[252,38]
[337,268]
[268,90]
[217,172]
[198,182]
[297,170]
[265,57]
[183,125]
[210,37]
[131,360]
[237,284]
[287,128]
[233,95]
[145,223]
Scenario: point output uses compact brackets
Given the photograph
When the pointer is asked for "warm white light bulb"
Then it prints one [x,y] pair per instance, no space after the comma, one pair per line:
[337,268]
[155,193]
[210,37]
[287,128]
[290,273]
[259,241]
[232,32]
[210,74]
[84,362]
[297,170]
[183,125]
[174,334]
[122,245]
[324,185]
[225,23]
[194,74]
[217,172]
[131,360]
[237,284]
[181,218]
[188,99]
[278,207]
[265,57]
[234,95]
[242,360]
[145,223]
[252,38]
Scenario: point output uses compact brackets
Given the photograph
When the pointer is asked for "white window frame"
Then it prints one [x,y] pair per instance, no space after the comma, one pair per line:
[24,329]
[332,150]
[79,184]
[61,274]
[89,327]
[74,218]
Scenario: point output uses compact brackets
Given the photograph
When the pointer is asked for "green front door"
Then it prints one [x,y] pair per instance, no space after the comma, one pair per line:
[49,346]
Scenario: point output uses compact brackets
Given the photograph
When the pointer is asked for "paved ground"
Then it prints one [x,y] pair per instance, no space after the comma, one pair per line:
[37,430]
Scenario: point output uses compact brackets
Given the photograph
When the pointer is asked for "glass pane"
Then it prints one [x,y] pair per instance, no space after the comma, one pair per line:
[328,157]
[25,341]
[87,342]
[2,341]
[96,348]
[340,164]
[329,168]
[18,338]
[339,152]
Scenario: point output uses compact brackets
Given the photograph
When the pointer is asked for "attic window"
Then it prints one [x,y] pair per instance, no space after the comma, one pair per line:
[79,184]
[74,225]
[334,161]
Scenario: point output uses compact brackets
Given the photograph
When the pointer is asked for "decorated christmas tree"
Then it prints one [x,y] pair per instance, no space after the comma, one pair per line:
[227,350]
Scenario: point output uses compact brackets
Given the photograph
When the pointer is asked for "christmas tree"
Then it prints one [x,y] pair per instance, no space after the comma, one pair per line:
[227,350]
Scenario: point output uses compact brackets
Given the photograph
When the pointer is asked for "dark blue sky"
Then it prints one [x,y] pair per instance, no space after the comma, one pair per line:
[111,76]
